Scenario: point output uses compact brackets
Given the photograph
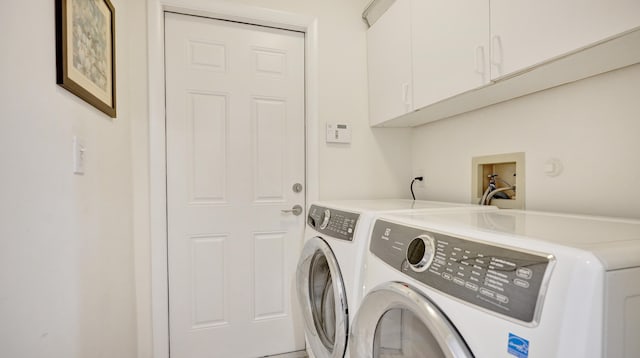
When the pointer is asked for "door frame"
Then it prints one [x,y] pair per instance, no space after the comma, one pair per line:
[157,129]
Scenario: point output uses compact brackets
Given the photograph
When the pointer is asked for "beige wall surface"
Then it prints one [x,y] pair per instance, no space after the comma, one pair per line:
[591,126]
[66,243]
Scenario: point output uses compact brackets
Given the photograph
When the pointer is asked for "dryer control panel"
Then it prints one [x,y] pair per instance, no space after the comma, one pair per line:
[335,223]
[507,281]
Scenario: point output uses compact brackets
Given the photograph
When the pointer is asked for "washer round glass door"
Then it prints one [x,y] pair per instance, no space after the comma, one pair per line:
[323,299]
[395,320]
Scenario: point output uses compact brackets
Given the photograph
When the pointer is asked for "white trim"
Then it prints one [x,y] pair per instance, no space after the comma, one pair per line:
[157,154]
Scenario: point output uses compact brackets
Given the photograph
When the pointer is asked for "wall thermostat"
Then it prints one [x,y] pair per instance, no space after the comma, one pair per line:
[338,133]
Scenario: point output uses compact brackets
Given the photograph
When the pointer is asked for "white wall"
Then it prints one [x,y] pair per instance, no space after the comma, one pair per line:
[66,249]
[592,126]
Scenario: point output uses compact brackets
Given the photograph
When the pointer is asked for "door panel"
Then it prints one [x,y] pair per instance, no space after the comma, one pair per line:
[269,128]
[207,141]
[207,257]
[235,147]
[269,277]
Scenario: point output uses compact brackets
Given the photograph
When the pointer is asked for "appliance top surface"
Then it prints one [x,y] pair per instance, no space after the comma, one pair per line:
[615,241]
[381,205]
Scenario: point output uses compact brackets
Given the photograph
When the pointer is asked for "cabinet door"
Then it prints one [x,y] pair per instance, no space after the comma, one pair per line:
[527,32]
[389,63]
[450,46]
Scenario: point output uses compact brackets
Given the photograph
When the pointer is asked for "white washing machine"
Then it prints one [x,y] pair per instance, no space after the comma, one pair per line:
[330,268]
[500,284]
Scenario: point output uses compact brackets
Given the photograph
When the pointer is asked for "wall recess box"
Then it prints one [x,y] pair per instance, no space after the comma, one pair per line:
[509,169]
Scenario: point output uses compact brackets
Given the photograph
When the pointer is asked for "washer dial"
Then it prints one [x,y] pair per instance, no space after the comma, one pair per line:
[420,252]
[325,219]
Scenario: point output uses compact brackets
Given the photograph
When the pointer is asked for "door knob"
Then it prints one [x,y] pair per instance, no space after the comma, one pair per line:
[296,210]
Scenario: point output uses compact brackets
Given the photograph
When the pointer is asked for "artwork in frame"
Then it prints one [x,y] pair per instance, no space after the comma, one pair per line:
[85,51]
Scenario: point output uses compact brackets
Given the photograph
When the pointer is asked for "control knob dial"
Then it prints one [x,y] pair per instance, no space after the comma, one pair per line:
[420,252]
[325,219]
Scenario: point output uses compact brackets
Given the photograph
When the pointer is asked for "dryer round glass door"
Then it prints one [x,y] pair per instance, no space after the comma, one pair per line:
[401,333]
[323,299]
[396,320]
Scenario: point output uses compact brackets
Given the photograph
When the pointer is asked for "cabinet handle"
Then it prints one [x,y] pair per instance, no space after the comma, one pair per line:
[405,96]
[496,53]
[480,60]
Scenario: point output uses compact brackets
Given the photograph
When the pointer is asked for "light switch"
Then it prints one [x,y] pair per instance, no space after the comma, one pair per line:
[79,155]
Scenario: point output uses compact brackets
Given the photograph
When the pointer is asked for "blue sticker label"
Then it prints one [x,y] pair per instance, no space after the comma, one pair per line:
[518,346]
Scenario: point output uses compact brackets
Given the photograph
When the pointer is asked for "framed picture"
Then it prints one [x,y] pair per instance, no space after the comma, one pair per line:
[85,51]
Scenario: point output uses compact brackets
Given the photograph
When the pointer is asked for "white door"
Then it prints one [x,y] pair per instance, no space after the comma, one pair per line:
[235,148]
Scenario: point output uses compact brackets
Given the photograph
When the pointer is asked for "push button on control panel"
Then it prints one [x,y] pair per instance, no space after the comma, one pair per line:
[458,281]
[524,272]
[487,292]
[521,283]
[471,286]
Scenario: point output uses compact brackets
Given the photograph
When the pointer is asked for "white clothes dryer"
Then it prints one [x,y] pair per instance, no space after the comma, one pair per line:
[331,265]
[500,284]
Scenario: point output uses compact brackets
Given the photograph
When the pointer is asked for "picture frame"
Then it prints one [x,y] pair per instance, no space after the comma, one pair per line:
[85,51]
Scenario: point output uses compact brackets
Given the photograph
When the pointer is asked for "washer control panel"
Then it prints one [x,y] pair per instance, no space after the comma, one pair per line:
[335,223]
[503,280]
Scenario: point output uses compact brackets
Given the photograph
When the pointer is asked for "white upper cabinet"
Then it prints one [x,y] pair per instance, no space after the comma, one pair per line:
[450,48]
[433,59]
[526,33]
[389,64]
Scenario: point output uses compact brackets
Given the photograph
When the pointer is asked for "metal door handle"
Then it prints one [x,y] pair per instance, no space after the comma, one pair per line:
[296,210]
